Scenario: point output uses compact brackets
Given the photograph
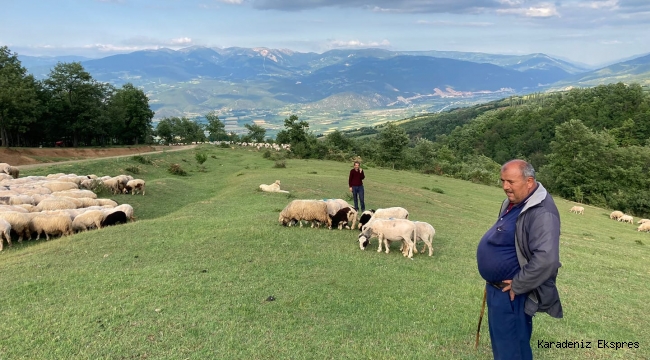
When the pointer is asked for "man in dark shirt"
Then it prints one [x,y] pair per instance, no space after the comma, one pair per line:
[355,181]
[519,259]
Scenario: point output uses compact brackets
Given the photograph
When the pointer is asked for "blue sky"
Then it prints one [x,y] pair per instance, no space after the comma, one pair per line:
[591,32]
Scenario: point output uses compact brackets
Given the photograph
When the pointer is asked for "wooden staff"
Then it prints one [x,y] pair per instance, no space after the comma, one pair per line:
[480,318]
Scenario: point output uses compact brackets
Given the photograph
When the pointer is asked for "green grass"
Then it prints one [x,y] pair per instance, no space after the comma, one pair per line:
[191,277]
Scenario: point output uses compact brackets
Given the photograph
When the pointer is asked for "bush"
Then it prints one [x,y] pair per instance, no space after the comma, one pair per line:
[200,158]
[213,156]
[176,169]
[266,154]
[438,190]
[133,169]
[280,164]
[142,160]
[224,145]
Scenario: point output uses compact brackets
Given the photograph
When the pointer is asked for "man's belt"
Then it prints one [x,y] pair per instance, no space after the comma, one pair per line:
[498,285]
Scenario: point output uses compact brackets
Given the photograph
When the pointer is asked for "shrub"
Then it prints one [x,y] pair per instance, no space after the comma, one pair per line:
[438,190]
[425,188]
[266,154]
[224,145]
[213,156]
[142,159]
[176,169]
[312,172]
[200,158]
[280,164]
[133,169]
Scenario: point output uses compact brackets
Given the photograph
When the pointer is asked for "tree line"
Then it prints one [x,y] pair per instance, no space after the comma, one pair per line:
[69,107]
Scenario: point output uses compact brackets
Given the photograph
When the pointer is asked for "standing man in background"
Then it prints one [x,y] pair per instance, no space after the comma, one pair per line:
[355,182]
[519,259]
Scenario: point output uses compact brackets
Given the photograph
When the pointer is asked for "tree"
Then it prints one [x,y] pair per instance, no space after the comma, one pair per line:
[133,117]
[392,141]
[215,127]
[255,133]
[165,130]
[18,97]
[76,101]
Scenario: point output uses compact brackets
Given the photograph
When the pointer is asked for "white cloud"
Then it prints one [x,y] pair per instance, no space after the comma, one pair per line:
[232,2]
[354,44]
[610,42]
[182,41]
[603,4]
[541,11]
[453,23]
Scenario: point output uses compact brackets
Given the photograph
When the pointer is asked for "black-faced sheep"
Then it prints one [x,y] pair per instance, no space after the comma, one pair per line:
[387,230]
[125,208]
[114,218]
[344,217]
[308,210]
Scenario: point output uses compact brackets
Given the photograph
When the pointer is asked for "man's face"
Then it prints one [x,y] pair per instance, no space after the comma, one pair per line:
[356,166]
[515,185]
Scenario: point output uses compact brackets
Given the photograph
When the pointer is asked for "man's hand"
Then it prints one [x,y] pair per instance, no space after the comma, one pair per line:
[360,170]
[509,288]
[350,189]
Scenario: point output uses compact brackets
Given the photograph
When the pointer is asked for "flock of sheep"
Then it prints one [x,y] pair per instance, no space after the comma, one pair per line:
[59,204]
[387,225]
[618,216]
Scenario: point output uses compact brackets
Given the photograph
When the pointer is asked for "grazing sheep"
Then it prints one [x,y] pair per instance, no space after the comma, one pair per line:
[15,208]
[387,213]
[134,186]
[55,186]
[125,208]
[344,217]
[644,227]
[308,210]
[425,233]
[4,168]
[78,193]
[275,187]
[578,210]
[5,231]
[19,223]
[114,218]
[13,171]
[616,215]
[56,204]
[643,221]
[21,199]
[387,230]
[88,220]
[106,202]
[51,225]
[114,184]
[626,219]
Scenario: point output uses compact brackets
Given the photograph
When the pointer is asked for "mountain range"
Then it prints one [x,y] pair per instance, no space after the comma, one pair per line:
[258,82]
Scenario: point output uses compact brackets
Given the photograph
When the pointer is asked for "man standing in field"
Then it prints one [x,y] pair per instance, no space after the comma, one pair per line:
[519,259]
[355,181]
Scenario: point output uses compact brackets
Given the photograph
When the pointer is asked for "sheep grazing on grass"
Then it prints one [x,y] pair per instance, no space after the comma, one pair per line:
[5,231]
[51,225]
[344,217]
[14,172]
[114,184]
[308,210]
[77,193]
[275,187]
[114,218]
[578,210]
[387,213]
[106,202]
[387,230]
[15,208]
[4,168]
[643,221]
[56,204]
[644,226]
[19,223]
[626,219]
[125,208]
[134,186]
[55,186]
[88,220]
[616,215]
[425,233]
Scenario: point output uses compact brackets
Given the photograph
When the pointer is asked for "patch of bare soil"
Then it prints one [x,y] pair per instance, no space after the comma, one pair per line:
[26,156]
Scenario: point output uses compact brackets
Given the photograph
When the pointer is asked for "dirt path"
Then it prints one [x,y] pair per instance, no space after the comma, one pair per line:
[166,148]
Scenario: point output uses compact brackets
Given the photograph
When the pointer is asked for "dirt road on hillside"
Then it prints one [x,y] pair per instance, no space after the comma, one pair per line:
[166,149]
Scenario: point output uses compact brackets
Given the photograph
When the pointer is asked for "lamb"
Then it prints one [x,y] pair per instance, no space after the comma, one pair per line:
[5,230]
[387,213]
[387,230]
[134,186]
[88,220]
[643,227]
[578,210]
[616,215]
[425,232]
[51,225]
[344,217]
[626,219]
[308,210]
[114,218]
[19,223]
[275,187]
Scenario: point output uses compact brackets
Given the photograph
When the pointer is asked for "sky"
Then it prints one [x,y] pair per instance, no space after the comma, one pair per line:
[592,32]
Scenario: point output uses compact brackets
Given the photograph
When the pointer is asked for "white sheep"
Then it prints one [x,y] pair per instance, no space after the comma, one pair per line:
[126,208]
[425,233]
[19,223]
[387,213]
[5,231]
[106,202]
[275,187]
[626,219]
[88,220]
[77,193]
[55,186]
[644,227]
[387,230]
[616,215]
[56,204]
[51,225]
[134,186]
[308,210]
[643,221]
[578,210]
[114,184]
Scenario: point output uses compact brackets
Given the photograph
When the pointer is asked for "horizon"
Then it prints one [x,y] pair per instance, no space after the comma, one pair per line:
[591,33]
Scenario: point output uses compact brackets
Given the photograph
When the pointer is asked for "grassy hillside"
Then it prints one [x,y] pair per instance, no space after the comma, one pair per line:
[190,278]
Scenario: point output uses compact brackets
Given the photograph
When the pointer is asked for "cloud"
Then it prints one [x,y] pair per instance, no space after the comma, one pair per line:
[356,44]
[232,2]
[453,23]
[399,6]
[149,42]
[540,11]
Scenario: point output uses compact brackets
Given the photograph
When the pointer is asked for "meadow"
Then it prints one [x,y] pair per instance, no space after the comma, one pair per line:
[207,272]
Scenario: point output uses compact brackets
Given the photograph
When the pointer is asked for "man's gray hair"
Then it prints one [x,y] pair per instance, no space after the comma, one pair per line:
[526,168]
